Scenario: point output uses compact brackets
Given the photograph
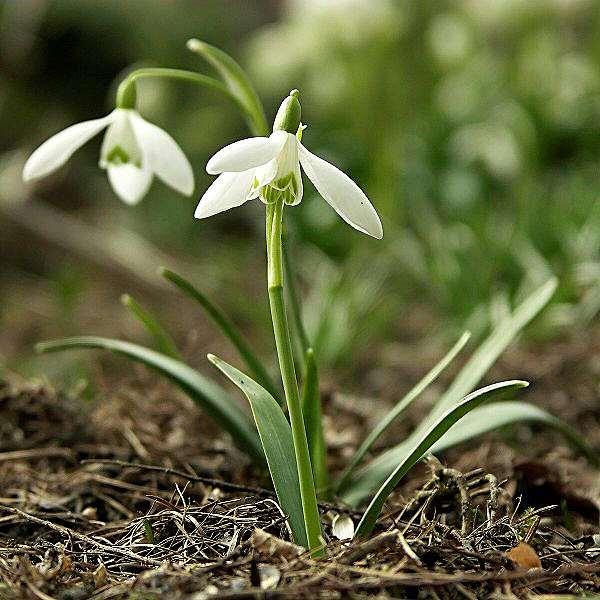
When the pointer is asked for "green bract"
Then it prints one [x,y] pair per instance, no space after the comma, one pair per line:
[293,446]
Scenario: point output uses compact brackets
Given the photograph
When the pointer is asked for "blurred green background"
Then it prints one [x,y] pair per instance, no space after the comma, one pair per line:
[473,126]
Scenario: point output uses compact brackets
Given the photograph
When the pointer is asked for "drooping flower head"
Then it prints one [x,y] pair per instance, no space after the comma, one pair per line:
[269,168]
[133,151]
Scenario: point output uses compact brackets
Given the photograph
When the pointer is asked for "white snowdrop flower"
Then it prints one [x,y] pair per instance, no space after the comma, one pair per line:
[133,151]
[269,168]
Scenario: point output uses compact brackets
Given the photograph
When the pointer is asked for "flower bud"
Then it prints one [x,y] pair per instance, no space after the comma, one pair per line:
[288,115]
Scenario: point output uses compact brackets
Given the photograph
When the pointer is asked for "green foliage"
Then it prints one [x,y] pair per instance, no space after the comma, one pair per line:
[378,470]
[313,421]
[414,451]
[227,327]
[162,340]
[496,415]
[237,82]
[276,438]
[399,408]
[207,394]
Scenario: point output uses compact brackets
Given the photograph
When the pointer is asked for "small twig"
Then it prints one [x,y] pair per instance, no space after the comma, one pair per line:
[372,545]
[492,505]
[79,536]
[217,483]
[36,453]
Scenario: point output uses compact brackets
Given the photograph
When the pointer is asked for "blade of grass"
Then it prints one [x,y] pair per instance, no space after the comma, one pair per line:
[205,393]
[162,340]
[313,421]
[419,447]
[227,327]
[276,437]
[237,82]
[399,408]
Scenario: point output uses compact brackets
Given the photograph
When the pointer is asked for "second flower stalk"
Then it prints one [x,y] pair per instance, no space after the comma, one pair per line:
[288,119]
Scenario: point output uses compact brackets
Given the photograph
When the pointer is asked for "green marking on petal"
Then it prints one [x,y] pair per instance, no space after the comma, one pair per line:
[285,188]
[119,156]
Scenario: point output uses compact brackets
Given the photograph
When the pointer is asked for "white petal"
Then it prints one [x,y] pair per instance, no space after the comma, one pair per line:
[120,135]
[227,191]
[56,151]
[246,154]
[347,199]
[129,182]
[300,192]
[263,175]
[342,527]
[164,156]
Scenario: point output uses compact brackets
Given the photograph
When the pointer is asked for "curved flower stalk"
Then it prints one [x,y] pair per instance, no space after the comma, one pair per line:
[269,168]
[133,151]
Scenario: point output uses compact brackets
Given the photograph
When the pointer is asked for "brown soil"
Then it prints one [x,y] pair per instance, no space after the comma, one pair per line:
[80,518]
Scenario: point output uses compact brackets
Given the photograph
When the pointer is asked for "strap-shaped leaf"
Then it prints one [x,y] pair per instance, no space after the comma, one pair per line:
[226,326]
[417,449]
[494,345]
[492,416]
[204,392]
[276,437]
[163,341]
[237,82]
[399,408]
[375,472]
[313,421]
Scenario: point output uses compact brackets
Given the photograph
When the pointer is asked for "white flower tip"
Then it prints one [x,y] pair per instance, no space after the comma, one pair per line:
[29,173]
[377,231]
[212,167]
[201,212]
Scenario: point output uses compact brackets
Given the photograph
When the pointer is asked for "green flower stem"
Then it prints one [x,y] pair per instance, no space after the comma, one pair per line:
[292,297]
[126,91]
[288,374]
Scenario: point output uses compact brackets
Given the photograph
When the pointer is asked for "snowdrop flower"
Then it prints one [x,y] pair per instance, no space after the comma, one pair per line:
[133,151]
[269,168]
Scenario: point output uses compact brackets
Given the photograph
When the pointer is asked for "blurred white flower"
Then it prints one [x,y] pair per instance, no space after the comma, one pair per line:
[133,151]
[269,167]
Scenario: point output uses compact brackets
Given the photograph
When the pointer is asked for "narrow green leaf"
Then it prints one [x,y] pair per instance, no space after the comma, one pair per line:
[313,421]
[162,340]
[417,449]
[227,327]
[276,437]
[399,408]
[375,472]
[237,82]
[492,416]
[207,394]
[294,304]
[495,344]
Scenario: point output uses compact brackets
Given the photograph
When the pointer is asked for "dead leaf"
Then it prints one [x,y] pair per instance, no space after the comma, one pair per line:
[268,545]
[524,556]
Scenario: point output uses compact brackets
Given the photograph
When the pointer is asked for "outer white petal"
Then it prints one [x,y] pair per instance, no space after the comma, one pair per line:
[347,199]
[246,154]
[227,191]
[163,154]
[55,152]
[129,182]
